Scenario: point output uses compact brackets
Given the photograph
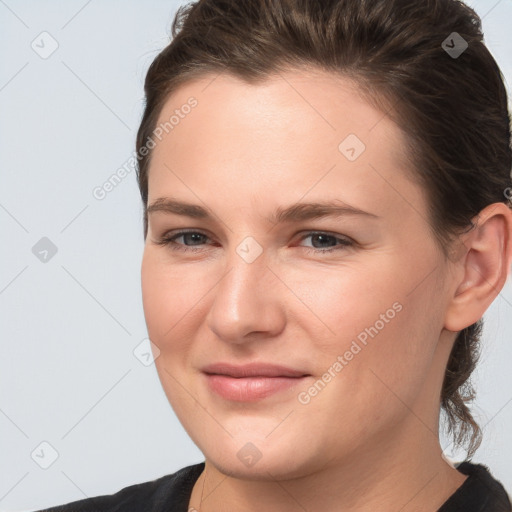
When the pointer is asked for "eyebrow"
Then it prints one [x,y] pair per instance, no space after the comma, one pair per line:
[295,213]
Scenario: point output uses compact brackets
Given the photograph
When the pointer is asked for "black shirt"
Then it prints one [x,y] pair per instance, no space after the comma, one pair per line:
[480,492]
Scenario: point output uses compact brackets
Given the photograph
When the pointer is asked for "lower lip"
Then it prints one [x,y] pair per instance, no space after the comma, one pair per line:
[249,389]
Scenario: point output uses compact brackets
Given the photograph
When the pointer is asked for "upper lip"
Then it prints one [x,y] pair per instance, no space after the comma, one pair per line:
[252,370]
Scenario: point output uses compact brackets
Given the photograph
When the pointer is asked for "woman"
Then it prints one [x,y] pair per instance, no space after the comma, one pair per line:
[312,374]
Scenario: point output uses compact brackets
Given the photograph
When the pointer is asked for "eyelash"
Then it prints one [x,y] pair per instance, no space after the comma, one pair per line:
[169,240]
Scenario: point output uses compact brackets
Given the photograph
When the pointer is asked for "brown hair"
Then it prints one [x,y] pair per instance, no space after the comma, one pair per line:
[451,108]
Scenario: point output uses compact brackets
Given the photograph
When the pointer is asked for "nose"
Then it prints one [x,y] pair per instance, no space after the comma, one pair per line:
[248,301]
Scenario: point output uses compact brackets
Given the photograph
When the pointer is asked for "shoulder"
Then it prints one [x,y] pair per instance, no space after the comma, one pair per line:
[169,492]
[479,492]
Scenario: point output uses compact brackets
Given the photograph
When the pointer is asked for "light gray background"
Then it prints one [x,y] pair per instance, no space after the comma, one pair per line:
[69,376]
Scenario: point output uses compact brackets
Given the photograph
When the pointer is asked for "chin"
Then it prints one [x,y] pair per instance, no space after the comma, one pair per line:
[272,468]
[261,459]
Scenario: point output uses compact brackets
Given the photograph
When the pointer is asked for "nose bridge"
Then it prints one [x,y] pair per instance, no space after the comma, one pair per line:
[241,301]
[247,267]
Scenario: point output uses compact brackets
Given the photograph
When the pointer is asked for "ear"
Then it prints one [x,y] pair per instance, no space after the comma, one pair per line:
[483,267]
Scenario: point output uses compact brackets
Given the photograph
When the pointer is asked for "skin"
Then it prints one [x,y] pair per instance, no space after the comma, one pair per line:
[369,439]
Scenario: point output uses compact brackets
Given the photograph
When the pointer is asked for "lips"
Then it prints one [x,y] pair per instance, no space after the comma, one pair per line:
[251,382]
[253,370]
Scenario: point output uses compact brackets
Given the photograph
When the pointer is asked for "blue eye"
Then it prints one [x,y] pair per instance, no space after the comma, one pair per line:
[198,239]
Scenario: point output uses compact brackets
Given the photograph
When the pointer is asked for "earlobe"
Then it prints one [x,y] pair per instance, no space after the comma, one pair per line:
[484,265]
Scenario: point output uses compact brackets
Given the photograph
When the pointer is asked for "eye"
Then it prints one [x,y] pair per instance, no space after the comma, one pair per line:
[196,237]
[193,240]
[328,241]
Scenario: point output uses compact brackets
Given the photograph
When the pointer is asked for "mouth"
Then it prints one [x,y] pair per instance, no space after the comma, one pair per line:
[251,382]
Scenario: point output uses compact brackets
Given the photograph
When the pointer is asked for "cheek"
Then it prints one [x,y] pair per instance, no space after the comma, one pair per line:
[393,367]
[170,300]
[344,304]
[168,297]
[385,335]
[379,381]
[175,301]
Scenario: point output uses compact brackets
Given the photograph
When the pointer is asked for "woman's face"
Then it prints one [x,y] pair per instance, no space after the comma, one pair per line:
[352,299]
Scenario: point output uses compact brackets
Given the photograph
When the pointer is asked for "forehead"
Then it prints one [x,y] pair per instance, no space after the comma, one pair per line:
[296,133]
[299,105]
